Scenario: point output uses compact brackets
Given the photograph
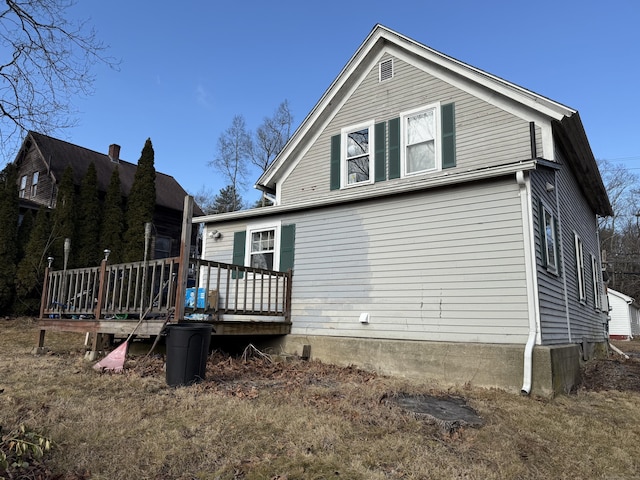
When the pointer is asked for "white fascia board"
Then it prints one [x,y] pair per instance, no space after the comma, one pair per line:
[394,187]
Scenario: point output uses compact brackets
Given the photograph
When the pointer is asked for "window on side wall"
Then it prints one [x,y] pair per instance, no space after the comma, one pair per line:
[357,165]
[262,248]
[580,268]
[23,186]
[596,282]
[420,149]
[34,184]
[549,240]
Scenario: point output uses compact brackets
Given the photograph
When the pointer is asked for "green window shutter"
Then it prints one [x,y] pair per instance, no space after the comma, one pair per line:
[287,246]
[448,135]
[394,148]
[239,242]
[335,163]
[543,245]
[380,132]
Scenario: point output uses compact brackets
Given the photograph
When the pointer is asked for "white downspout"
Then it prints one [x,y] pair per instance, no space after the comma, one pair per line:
[532,289]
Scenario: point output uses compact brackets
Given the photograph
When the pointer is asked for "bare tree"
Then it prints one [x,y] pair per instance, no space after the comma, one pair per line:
[620,233]
[48,61]
[233,153]
[206,199]
[271,136]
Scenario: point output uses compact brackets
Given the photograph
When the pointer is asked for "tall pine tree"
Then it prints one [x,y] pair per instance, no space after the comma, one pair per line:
[88,252]
[64,219]
[140,205]
[9,214]
[113,219]
[30,273]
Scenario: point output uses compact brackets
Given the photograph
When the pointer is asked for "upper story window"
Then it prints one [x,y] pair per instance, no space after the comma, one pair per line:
[34,184]
[23,186]
[419,141]
[419,137]
[357,158]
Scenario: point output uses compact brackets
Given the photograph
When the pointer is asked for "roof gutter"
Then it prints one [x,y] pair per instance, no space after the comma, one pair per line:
[394,187]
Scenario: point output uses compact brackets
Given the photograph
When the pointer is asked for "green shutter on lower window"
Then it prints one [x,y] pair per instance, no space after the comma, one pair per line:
[239,242]
[448,135]
[334,173]
[287,247]
[394,148]
[380,132]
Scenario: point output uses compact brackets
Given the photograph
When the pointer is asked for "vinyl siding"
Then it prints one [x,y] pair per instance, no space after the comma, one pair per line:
[554,326]
[442,265]
[485,134]
[585,321]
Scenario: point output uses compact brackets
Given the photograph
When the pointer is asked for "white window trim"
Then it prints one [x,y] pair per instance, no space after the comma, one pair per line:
[344,170]
[553,268]
[259,227]
[579,250]
[437,139]
[596,282]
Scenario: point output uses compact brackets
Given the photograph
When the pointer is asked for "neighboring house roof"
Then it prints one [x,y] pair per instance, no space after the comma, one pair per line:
[57,154]
[566,124]
[626,298]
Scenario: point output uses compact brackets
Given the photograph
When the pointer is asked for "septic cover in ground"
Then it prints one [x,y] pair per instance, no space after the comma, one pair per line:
[448,412]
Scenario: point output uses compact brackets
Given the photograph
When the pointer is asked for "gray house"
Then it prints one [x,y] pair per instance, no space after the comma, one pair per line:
[440,223]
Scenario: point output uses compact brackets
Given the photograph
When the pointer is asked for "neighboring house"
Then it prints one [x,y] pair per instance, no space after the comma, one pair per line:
[42,160]
[440,223]
[624,316]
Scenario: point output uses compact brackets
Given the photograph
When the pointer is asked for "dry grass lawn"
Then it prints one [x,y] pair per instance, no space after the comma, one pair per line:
[302,420]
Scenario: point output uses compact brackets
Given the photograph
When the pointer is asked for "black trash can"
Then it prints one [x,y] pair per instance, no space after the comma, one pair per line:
[187,352]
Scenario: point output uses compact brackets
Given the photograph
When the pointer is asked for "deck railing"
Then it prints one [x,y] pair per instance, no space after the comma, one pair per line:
[130,290]
[232,289]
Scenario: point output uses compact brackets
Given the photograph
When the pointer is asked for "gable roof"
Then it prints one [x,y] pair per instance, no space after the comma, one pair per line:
[566,123]
[57,154]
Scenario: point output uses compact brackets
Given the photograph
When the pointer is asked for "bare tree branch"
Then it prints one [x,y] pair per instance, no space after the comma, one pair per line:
[49,63]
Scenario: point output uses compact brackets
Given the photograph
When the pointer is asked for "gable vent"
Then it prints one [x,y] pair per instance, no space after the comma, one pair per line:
[386,70]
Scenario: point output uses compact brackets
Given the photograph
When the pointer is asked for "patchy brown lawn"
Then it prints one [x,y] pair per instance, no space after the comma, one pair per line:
[254,418]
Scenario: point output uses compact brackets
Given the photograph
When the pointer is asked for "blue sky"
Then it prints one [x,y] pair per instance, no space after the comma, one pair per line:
[188,67]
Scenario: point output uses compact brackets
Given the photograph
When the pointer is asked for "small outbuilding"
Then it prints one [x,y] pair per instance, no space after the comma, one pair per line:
[624,316]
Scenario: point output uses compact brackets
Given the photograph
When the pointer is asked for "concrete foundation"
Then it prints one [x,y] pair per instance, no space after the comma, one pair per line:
[556,369]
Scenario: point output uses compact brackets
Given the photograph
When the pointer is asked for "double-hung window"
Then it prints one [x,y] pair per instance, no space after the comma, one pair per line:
[23,186]
[357,164]
[34,184]
[580,268]
[268,246]
[419,140]
[550,243]
[595,273]
[262,248]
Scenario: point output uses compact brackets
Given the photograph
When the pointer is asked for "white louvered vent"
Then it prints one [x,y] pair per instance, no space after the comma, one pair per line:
[386,70]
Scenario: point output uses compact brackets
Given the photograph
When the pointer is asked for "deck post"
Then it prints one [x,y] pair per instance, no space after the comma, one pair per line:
[287,307]
[185,250]
[43,300]
[101,285]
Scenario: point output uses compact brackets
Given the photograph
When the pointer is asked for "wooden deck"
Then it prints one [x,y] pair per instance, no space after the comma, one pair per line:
[118,299]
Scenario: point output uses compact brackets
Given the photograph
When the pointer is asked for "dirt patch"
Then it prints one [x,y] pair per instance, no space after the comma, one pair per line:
[614,372]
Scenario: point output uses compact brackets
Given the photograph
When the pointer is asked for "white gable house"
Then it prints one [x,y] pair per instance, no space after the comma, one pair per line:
[440,223]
